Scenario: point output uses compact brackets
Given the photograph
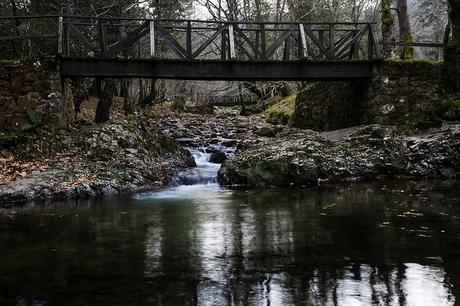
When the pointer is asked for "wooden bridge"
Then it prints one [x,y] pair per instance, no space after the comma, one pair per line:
[196,50]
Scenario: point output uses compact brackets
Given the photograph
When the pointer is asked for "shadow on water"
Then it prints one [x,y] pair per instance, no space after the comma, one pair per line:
[381,243]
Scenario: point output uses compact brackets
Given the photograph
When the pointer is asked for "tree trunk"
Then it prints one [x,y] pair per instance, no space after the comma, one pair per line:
[105,100]
[452,50]
[405,36]
[387,27]
[128,104]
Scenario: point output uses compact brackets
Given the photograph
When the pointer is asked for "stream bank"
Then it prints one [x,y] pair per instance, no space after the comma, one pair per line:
[136,153]
[304,157]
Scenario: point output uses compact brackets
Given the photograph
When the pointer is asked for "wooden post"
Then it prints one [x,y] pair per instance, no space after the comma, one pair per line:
[223,47]
[60,35]
[152,38]
[66,42]
[102,38]
[231,41]
[189,40]
[354,49]
[332,40]
[287,48]
[375,42]
[370,43]
[263,41]
[303,42]
[321,39]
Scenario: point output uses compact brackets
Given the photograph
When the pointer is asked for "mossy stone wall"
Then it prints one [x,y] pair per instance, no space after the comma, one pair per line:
[31,93]
[408,94]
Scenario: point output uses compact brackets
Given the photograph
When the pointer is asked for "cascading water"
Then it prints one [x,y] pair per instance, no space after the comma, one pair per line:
[205,173]
[197,183]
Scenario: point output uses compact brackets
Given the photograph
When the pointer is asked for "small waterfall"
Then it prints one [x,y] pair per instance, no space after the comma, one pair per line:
[205,173]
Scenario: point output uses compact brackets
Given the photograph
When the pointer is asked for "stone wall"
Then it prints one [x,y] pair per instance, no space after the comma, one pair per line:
[31,94]
[407,94]
[328,106]
[411,95]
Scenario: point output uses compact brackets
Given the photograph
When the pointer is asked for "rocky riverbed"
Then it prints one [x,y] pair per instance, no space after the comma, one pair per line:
[124,155]
[304,157]
[131,154]
[146,152]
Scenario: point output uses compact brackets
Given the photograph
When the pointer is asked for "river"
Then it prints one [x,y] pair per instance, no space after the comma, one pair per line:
[367,243]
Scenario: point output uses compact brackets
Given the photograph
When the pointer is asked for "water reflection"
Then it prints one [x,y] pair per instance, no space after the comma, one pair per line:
[361,244]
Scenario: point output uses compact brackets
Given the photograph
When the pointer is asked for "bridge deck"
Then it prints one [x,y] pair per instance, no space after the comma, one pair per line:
[197,50]
[215,70]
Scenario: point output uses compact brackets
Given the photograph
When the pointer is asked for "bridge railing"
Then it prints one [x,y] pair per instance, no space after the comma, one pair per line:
[75,36]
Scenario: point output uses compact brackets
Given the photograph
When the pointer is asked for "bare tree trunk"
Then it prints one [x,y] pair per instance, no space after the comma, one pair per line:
[452,49]
[105,100]
[387,27]
[128,104]
[405,36]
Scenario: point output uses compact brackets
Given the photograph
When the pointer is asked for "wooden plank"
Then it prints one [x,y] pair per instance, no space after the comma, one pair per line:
[278,42]
[231,41]
[129,40]
[66,42]
[417,44]
[317,42]
[352,41]
[243,49]
[378,50]
[344,39]
[82,38]
[303,41]
[102,38]
[370,44]
[248,41]
[171,41]
[207,42]
[28,37]
[287,48]
[216,70]
[263,41]
[223,45]
[152,38]
[188,44]
[332,41]
[60,35]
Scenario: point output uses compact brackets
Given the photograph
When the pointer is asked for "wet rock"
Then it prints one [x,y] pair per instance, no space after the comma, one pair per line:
[229,143]
[94,160]
[265,132]
[303,157]
[185,141]
[218,158]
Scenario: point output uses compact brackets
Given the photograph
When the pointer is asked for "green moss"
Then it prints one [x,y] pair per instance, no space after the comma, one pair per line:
[409,51]
[282,111]
[387,16]
[35,120]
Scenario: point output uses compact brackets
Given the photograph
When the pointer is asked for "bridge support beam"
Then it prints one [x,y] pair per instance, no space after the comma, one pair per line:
[216,69]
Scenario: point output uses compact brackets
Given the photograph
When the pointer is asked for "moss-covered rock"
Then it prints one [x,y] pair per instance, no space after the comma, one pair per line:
[303,157]
[121,155]
[280,112]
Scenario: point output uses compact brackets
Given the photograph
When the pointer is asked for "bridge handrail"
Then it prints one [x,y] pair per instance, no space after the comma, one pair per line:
[228,40]
[184,20]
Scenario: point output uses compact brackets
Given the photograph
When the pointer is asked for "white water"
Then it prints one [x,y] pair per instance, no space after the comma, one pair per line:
[198,183]
[204,173]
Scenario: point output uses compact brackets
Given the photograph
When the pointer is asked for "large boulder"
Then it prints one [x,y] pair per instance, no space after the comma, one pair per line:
[303,157]
[217,157]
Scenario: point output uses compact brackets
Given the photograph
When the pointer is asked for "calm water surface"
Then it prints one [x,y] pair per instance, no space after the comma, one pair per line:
[384,243]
